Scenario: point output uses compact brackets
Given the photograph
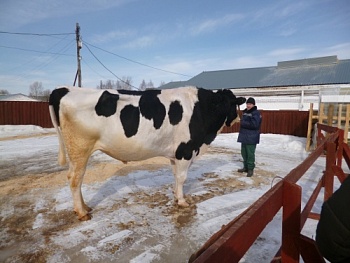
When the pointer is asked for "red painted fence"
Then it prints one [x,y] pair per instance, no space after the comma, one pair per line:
[25,113]
[37,113]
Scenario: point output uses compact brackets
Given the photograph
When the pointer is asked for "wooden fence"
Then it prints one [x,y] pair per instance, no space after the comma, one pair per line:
[286,122]
[36,113]
[231,242]
[25,113]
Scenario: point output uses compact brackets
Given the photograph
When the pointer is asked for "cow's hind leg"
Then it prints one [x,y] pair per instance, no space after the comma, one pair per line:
[75,176]
[180,169]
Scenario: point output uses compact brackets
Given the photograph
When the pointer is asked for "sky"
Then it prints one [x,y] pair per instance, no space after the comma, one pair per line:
[161,40]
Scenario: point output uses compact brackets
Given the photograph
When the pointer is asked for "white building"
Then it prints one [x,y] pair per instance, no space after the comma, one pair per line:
[291,85]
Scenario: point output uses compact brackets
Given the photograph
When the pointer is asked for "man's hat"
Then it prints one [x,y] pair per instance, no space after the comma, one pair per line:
[251,100]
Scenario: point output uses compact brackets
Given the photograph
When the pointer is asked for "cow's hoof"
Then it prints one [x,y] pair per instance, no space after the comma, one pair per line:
[89,209]
[182,203]
[85,217]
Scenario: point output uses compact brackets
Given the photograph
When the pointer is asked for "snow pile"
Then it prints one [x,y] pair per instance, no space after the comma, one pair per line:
[22,130]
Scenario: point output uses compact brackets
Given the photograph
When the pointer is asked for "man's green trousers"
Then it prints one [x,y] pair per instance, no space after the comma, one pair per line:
[248,154]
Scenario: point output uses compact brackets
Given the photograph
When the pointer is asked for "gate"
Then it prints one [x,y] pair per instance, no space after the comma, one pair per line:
[233,240]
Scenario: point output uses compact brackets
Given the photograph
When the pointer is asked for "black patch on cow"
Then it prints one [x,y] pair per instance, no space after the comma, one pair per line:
[55,99]
[185,150]
[175,112]
[209,115]
[230,102]
[107,104]
[151,108]
[130,119]
[130,92]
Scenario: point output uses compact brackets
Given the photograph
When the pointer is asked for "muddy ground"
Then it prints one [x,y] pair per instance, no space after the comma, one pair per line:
[132,221]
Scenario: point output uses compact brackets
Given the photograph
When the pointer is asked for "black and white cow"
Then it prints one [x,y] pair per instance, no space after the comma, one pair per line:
[178,124]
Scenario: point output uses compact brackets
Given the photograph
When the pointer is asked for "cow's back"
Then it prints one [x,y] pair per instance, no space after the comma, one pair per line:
[128,127]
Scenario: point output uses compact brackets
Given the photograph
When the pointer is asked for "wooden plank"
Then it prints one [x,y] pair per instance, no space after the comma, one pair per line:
[327,128]
[305,214]
[340,145]
[346,126]
[294,175]
[330,114]
[329,175]
[236,241]
[291,222]
[309,128]
[338,171]
[346,154]
[315,216]
[340,110]
[321,115]
[309,251]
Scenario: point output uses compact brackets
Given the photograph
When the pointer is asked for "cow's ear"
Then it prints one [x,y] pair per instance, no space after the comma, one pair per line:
[240,100]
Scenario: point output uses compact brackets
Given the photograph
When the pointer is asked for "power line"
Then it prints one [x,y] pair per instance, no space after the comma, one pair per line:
[108,68]
[37,51]
[34,34]
[92,69]
[142,64]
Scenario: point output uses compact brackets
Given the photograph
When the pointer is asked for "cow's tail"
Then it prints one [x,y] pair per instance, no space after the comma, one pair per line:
[54,106]
[62,150]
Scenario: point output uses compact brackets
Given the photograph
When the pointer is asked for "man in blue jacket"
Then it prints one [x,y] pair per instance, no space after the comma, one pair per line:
[249,136]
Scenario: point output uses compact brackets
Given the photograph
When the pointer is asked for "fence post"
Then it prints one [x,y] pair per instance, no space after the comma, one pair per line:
[291,222]
[329,175]
[309,127]
[340,147]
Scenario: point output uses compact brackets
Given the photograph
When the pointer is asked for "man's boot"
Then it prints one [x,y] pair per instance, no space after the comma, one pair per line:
[243,170]
[250,173]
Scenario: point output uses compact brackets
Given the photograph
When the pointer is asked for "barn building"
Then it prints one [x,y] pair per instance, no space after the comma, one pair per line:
[291,85]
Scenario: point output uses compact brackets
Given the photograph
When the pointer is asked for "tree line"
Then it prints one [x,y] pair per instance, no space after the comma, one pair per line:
[37,90]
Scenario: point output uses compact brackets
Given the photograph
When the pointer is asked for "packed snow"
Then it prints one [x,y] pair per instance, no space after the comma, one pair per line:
[134,215]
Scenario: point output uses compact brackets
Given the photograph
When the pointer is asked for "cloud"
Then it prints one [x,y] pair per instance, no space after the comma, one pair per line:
[112,35]
[341,50]
[286,52]
[213,24]
[140,42]
[291,9]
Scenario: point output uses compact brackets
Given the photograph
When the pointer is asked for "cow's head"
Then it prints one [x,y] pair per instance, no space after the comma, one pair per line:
[231,106]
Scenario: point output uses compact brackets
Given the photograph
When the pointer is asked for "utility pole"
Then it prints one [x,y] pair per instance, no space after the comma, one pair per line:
[79,46]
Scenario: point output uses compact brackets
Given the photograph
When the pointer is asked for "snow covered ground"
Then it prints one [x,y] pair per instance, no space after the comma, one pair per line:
[134,217]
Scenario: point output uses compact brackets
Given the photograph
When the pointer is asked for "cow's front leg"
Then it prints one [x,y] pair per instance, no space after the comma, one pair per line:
[75,177]
[180,172]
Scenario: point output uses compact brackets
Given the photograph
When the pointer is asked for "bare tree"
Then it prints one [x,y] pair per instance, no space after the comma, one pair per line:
[4,92]
[45,95]
[36,89]
[143,85]
[150,85]
[100,86]
[123,83]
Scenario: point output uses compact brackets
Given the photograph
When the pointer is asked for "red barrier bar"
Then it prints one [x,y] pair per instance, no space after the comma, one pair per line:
[235,242]
[291,222]
[306,213]
[339,173]
[329,175]
[309,251]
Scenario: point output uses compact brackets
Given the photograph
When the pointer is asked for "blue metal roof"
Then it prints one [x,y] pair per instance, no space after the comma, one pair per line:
[304,72]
